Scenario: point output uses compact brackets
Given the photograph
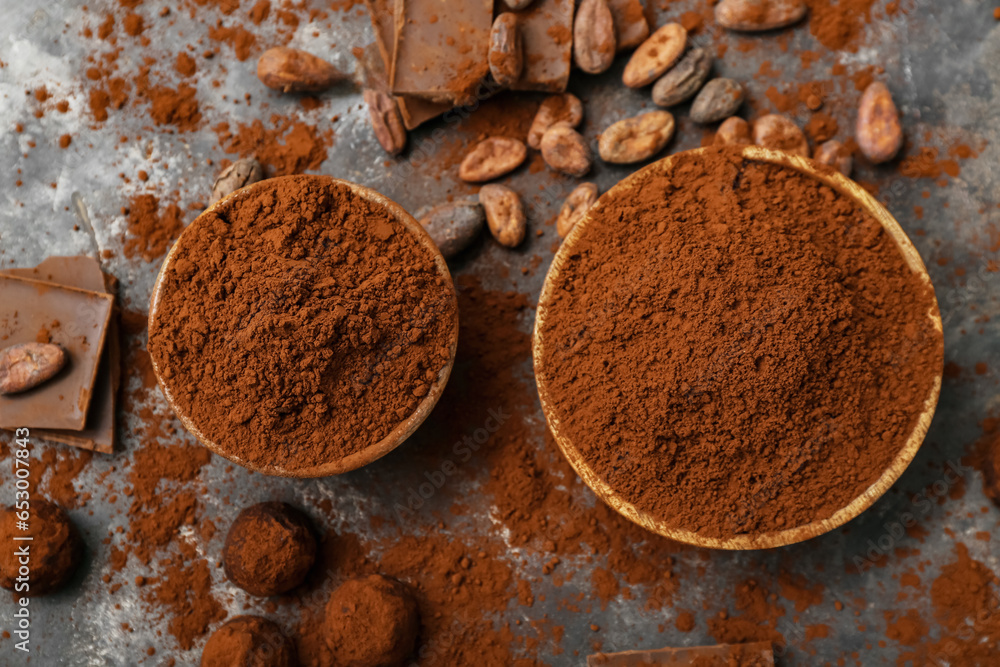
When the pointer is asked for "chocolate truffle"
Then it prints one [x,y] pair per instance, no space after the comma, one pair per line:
[248,641]
[54,552]
[371,622]
[270,549]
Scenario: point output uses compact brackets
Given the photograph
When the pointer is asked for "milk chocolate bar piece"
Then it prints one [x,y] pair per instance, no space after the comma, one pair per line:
[547,38]
[85,273]
[32,310]
[631,27]
[441,49]
[414,110]
[758,654]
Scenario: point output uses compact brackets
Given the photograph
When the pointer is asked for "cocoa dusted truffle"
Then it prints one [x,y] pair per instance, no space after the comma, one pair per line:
[269,549]
[371,622]
[248,641]
[53,554]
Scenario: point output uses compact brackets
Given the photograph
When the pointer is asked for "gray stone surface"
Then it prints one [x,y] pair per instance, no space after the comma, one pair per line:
[941,62]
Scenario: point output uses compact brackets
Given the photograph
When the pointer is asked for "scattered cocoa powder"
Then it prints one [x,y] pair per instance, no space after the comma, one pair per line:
[838,24]
[285,147]
[151,229]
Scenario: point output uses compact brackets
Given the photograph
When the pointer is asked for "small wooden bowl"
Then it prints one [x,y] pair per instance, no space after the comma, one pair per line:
[767,540]
[405,428]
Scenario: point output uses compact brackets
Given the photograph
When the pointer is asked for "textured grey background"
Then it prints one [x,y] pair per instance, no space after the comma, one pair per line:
[941,61]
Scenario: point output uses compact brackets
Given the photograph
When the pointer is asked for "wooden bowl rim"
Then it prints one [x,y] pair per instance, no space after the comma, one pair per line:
[405,428]
[771,539]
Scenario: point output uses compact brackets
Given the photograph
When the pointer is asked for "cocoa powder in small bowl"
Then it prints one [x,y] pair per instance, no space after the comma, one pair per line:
[303,326]
[738,348]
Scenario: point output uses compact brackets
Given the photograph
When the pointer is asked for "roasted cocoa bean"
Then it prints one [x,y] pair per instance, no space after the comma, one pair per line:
[504,214]
[734,131]
[835,154]
[684,79]
[655,56]
[594,44]
[386,121]
[878,131]
[564,149]
[506,56]
[565,108]
[757,15]
[296,71]
[637,138]
[237,175]
[780,133]
[492,158]
[27,365]
[575,208]
[720,98]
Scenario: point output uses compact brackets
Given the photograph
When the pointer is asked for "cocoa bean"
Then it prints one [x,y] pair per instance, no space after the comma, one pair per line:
[835,154]
[517,5]
[684,79]
[757,15]
[564,149]
[575,208]
[780,133]
[565,108]
[296,71]
[492,158]
[506,55]
[454,225]
[386,121]
[878,131]
[27,365]
[594,41]
[237,175]
[637,138]
[655,56]
[504,214]
[720,98]
[734,131]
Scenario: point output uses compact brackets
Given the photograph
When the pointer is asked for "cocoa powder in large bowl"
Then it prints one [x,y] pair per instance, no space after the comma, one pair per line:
[304,326]
[738,348]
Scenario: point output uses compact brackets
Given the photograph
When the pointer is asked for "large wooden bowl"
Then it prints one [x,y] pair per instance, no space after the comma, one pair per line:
[766,540]
[404,429]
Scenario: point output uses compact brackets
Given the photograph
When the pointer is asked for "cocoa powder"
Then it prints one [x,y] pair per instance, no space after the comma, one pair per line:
[748,354]
[300,324]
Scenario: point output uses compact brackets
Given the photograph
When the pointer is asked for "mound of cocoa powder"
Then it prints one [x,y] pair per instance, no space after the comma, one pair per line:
[736,347]
[300,324]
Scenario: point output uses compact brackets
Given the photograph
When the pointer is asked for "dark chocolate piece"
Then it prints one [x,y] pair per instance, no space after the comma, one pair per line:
[414,110]
[441,51]
[76,319]
[85,273]
[758,654]
[547,39]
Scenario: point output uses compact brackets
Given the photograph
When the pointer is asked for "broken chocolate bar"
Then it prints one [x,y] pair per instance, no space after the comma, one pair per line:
[441,49]
[758,654]
[547,37]
[85,273]
[631,27]
[36,311]
[414,110]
